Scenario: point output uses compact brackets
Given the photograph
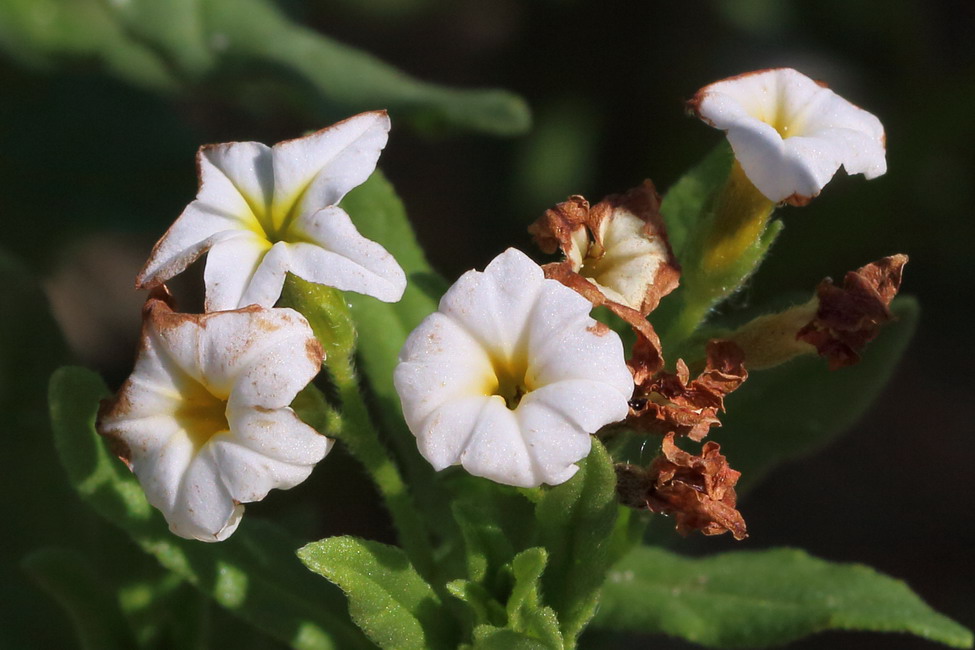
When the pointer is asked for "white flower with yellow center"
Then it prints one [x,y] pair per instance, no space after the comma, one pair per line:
[511,375]
[204,420]
[264,211]
[790,134]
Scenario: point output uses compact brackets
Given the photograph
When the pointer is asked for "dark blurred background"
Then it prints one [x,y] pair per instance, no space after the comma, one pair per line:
[93,167]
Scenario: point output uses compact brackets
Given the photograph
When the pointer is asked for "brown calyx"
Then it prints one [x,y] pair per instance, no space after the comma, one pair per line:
[850,316]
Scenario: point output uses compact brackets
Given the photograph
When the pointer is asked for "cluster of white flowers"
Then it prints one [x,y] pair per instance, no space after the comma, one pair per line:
[508,379]
[204,421]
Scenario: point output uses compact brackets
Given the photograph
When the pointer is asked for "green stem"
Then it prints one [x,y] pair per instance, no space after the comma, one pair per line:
[360,436]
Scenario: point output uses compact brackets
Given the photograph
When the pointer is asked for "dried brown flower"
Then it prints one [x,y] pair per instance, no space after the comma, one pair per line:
[617,255]
[697,490]
[673,403]
[850,316]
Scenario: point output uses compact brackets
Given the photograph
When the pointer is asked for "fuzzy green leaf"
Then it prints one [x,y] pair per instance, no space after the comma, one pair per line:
[761,598]
[526,614]
[68,577]
[495,522]
[254,574]
[484,609]
[575,522]
[175,46]
[796,408]
[388,599]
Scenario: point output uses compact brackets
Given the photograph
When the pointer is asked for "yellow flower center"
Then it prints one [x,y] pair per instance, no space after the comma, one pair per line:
[510,380]
[201,414]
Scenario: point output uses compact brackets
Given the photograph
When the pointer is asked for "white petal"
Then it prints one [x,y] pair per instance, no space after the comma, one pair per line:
[338,256]
[249,473]
[279,435]
[161,456]
[495,305]
[237,177]
[319,169]
[565,343]
[197,229]
[439,362]
[204,508]
[230,268]
[266,284]
[259,357]
[631,260]
[497,450]
[443,436]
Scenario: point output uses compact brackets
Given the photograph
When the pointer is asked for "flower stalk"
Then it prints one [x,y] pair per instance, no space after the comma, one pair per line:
[330,318]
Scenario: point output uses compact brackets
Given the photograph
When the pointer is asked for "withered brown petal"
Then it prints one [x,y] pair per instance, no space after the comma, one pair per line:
[553,230]
[671,403]
[850,316]
[697,490]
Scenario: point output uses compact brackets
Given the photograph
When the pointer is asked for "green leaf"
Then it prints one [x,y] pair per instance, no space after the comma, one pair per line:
[176,46]
[254,574]
[575,522]
[793,409]
[495,522]
[388,599]
[68,577]
[761,598]
[526,614]
[686,203]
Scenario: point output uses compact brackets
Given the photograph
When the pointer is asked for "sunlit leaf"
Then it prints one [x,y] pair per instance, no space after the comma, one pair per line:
[388,599]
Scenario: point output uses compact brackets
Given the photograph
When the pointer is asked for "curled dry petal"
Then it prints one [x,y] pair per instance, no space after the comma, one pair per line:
[850,316]
[790,134]
[204,420]
[699,491]
[673,403]
[511,376]
[617,255]
[264,211]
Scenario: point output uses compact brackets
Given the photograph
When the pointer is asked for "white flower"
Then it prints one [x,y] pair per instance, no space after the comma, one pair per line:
[204,422]
[790,134]
[511,375]
[263,211]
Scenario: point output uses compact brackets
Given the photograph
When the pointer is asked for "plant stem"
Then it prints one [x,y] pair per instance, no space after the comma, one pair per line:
[359,434]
